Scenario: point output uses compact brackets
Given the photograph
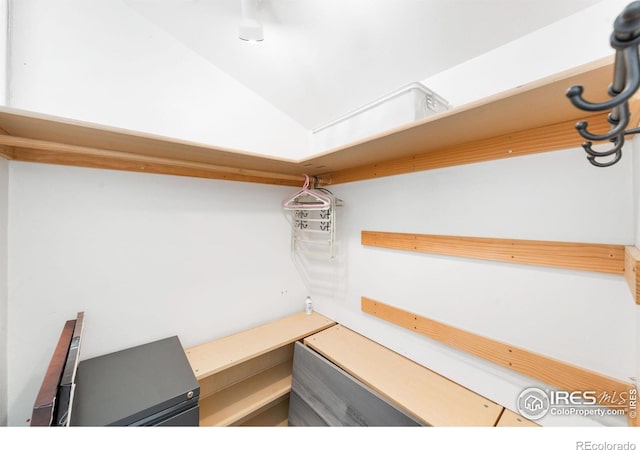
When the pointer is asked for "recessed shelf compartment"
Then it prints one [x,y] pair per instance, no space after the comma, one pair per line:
[274,416]
[233,405]
[245,378]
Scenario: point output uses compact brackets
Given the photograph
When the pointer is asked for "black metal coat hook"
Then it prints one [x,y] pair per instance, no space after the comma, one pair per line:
[626,81]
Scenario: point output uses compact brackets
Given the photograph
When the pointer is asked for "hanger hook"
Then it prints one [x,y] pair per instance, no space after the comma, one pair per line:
[618,125]
[617,150]
[592,160]
[633,82]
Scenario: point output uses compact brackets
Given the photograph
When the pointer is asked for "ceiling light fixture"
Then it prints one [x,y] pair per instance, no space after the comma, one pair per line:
[250,26]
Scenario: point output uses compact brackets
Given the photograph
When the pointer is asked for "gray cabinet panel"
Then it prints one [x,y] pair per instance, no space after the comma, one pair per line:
[324,394]
[302,414]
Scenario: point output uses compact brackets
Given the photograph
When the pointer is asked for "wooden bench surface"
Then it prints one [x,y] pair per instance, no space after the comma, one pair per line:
[219,354]
[419,391]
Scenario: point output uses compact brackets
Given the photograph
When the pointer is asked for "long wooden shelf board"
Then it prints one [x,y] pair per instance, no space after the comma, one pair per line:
[30,150]
[219,354]
[530,106]
[559,136]
[605,258]
[241,400]
[550,371]
[413,388]
[39,127]
[38,137]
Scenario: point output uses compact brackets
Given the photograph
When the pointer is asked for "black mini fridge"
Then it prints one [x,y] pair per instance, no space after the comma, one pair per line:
[148,385]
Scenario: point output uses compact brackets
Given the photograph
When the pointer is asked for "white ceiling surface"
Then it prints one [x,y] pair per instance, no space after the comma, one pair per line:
[321,59]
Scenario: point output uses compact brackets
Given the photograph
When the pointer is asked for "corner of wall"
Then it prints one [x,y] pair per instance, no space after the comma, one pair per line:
[4,185]
[4,209]
[5,38]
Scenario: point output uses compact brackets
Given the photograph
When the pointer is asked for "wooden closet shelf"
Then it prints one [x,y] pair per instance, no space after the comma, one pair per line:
[494,125]
[246,399]
[275,416]
[217,355]
[607,258]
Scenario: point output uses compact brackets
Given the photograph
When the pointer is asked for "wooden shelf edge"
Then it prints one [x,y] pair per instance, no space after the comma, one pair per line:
[545,123]
[214,356]
[273,415]
[245,370]
[553,137]
[7,152]
[631,271]
[546,369]
[32,150]
[243,399]
[606,258]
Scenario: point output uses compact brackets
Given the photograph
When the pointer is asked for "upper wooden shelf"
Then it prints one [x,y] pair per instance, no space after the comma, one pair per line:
[27,136]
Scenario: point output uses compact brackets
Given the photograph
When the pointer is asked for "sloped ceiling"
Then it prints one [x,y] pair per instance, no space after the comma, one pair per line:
[321,59]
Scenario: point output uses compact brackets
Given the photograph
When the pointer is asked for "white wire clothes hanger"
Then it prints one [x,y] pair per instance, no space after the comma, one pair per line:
[312,216]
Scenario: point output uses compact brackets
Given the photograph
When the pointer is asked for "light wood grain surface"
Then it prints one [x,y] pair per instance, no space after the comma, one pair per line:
[607,258]
[219,354]
[631,271]
[530,118]
[539,367]
[243,400]
[423,394]
[511,419]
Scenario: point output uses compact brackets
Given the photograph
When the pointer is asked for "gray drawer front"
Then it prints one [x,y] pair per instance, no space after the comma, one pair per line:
[322,394]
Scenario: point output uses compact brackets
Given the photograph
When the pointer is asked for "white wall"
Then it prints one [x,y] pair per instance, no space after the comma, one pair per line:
[4,180]
[107,242]
[635,146]
[571,42]
[103,62]
[4,210]
[144,256]
[4,49]
[580,317]
[583,318]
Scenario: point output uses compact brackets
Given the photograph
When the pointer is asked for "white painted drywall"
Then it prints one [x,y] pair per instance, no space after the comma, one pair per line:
[635,145]
[580,317]
[579,39]
[97,240]
[4,211]
[583,318]
[4,49]
[144,256]
[4,180]
[103,62]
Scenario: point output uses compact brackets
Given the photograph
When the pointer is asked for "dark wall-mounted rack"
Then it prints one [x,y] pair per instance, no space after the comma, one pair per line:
[626,80]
